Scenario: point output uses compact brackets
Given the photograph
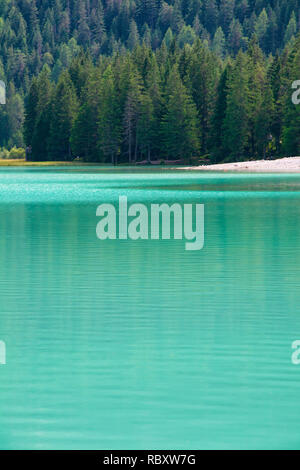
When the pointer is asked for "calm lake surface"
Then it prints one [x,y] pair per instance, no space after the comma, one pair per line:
[141,344]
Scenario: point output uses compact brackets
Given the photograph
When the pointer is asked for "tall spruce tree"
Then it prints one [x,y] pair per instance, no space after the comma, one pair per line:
[236,123]
[179,123]
[217,141]
[63,113]
[85,131]
[109,119]
[42,126]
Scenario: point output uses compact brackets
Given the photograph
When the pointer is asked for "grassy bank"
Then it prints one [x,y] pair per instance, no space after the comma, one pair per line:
[42,164]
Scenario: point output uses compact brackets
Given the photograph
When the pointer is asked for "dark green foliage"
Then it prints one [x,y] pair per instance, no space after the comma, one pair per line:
[236,123]
[291,120]
[108,80]
[217,141]
[62,116]
[179,123]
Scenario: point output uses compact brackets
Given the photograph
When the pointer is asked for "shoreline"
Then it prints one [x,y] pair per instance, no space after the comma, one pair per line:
[281,165]
[24,163]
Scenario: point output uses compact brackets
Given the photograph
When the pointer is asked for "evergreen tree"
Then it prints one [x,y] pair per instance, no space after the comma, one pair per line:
[210,15]
[219,43]
[63,113]
[179,123]
[133,38]
[226,14]
[110,124]
[261,26]
[236,123]
[85,131]
[131,117]
[31,112]
[146,125]
[217,142]
[291,29]
[201,79]
[42,126]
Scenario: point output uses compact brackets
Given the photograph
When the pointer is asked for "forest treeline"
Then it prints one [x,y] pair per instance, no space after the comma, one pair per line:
[155,64]
[174,103]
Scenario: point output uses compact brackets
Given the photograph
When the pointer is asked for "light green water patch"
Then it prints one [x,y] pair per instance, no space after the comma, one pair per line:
[141,344]
[48,185]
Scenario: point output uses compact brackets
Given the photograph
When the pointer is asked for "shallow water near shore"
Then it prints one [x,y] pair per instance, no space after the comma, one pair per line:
[141,344]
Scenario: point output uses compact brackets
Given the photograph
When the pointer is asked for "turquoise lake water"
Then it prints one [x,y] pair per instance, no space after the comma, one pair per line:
[141,344]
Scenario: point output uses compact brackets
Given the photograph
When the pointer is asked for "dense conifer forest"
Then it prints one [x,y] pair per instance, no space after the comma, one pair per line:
[140,80]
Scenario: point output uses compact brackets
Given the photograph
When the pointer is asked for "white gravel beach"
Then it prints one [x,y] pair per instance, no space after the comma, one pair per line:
[288,165]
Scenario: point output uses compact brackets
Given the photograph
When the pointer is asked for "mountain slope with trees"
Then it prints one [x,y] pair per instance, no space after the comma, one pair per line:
[130,80]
